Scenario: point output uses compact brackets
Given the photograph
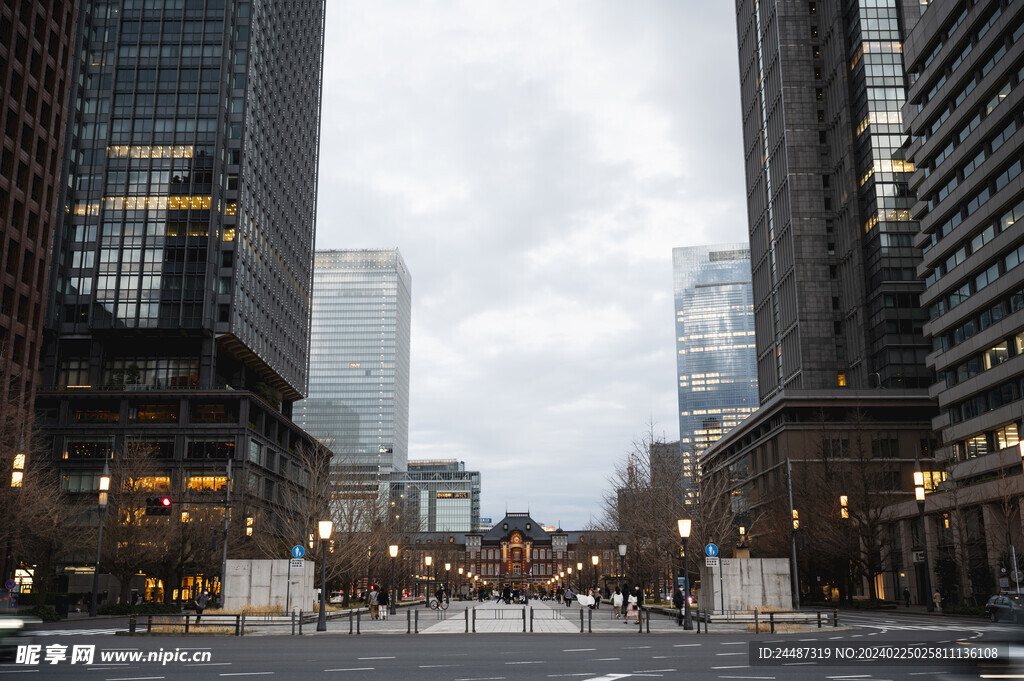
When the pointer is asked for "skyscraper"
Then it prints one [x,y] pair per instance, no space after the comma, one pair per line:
[358,402]
[837,317]
[178,317]
[963,114]
[36,41]
[714,345]
[835,287]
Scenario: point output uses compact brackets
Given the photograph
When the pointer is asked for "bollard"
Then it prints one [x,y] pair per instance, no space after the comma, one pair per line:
[581,620]
[524,620]
[359,621]
[149,625]
[240,624]
[300,622]
[186,624]
[293,622]
[819,619]
[590,621]
[757,626]
[416,622]
[351,622]
[648,620]
[474,620]
[467,619]
[771,620]
[835,618]
[131,624]
[698,621]
[531,620]
[408,621]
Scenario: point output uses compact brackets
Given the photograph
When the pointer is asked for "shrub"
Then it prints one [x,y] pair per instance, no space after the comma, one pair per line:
[46,613]
[141,609]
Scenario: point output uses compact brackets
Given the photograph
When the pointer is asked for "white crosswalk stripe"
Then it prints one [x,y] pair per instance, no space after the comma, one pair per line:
[75,632]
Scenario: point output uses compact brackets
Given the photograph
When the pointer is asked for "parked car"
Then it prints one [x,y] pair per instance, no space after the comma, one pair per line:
[336,597]
[1006,608]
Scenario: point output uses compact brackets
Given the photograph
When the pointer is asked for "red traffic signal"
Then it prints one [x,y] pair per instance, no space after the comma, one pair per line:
[158,506]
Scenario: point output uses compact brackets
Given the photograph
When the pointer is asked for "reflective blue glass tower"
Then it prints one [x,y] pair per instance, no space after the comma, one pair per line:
[715,352]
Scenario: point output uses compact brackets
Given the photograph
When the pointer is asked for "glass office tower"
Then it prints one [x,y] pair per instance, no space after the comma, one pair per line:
[358,401]
[182,272]
[714,345]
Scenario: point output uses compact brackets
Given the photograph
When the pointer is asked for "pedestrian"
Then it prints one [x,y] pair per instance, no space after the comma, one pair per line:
[201,600]
[632,604]
[678,602]
[374,602]
[906,596]
[617,602]
[597,599]
[506,595]
[937,600]
[382,604]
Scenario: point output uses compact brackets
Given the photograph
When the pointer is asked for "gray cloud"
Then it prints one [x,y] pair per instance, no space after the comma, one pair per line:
[535,163]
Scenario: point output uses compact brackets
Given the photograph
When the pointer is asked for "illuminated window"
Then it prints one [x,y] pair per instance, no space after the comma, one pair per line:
[841,379]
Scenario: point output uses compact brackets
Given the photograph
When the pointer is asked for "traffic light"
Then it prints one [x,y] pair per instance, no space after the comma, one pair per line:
[158,506]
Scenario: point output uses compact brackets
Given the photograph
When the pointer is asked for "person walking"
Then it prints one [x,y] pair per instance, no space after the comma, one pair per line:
[678,602]
[374,599]
[382,604]
[632,605]
[906,596]
[569,596]
[937,600]
[201,601]
[597,598]
[617,603]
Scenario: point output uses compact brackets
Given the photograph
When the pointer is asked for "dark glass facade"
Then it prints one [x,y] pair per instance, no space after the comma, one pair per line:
[835,290]
[180,287]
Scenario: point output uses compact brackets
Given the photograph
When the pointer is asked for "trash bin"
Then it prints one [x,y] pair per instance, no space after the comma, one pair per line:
[61,605]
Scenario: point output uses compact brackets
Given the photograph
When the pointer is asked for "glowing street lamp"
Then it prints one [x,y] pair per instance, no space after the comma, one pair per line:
[684,534]
[919,496]
[325,527]
[102,502]
[393,550]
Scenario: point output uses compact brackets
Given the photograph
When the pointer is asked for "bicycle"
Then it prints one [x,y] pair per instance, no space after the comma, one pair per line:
[436,605]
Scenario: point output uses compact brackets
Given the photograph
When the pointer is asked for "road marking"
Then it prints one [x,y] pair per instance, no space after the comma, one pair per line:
[637,647]
[556,676]
[733,643]
[745,677]
[653,671]
[210,664]
[850,676]
[686,645]
[434,666]
[19,671]
[723,654]
[802,640]
[607,659]
[529,662]
[244,673]
[385,657]
[742,666]
[483,678]
[138,678]
[578,650]
[351,669]
[795,664]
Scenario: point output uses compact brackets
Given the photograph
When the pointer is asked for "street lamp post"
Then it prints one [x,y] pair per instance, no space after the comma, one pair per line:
[104,487]
[393,550]
[684,534]
[595,559]
[919,496]
[447,572]
[579,575]
[460,583]
[622,562]
[325,528]
[569,580]
[428,560]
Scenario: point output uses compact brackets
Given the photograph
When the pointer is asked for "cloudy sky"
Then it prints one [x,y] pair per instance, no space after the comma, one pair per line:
[535,163]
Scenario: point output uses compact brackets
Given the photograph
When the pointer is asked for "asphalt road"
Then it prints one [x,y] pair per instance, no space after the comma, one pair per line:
[510,657]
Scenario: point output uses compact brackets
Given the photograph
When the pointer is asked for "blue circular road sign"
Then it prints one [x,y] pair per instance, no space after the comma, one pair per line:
[298,551]
[10,584]
[711,550]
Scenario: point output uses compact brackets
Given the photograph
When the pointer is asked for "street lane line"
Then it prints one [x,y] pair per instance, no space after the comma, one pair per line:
[733,643]
[434,666]
[721,654]
[529,662]
[244,673]
[210,664]
[745,677]
[351,669]
[483,678]
[578,650]
[686,645]
[637,647]
[741,666]
[607,659]
[138,678]
[384,657]
[19,671]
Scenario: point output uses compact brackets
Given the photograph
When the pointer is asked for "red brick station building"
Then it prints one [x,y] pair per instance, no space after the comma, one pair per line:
[517,551]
